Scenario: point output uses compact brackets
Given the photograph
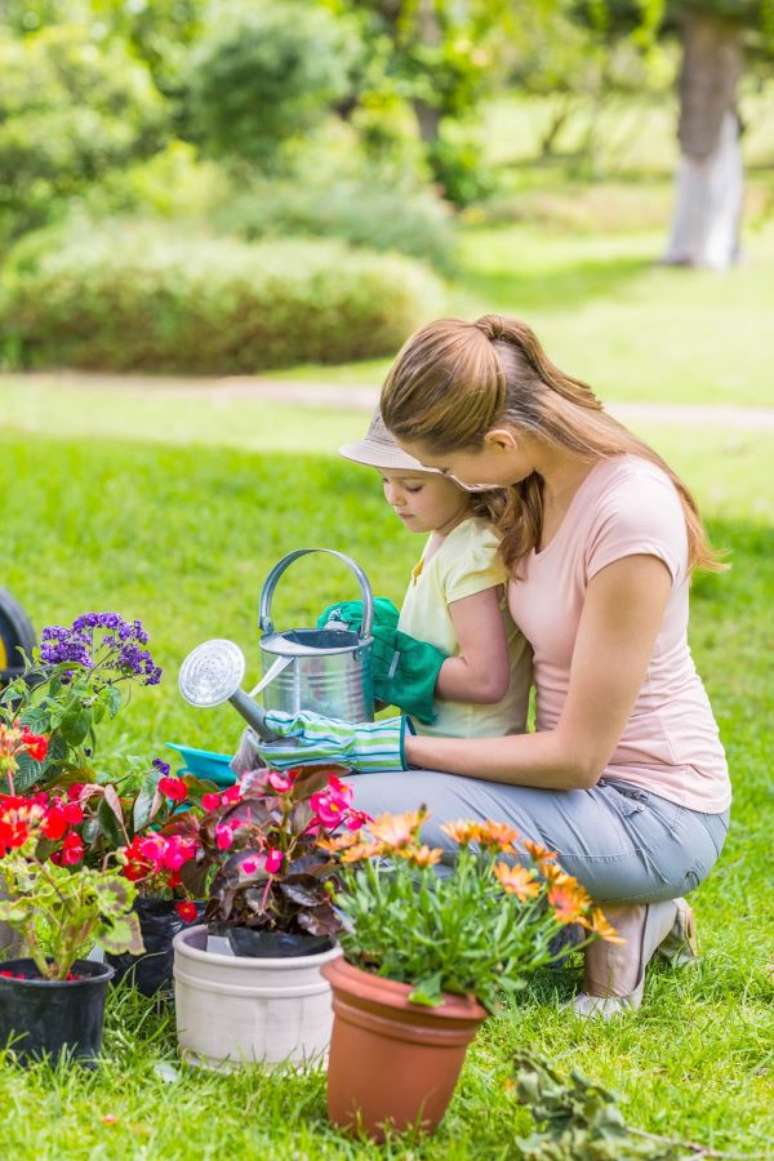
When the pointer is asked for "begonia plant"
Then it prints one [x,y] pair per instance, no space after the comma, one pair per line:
[274,872]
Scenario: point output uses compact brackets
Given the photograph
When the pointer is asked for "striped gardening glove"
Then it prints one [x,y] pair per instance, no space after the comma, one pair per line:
[307,739]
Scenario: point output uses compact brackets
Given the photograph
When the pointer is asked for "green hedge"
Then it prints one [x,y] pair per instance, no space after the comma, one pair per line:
[141,297]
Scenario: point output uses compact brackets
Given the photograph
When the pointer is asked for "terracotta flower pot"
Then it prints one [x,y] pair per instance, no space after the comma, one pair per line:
[234,1010]
[393,1062]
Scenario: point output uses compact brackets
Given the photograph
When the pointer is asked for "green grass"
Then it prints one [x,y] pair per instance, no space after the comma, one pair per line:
[606,312]
[183,537]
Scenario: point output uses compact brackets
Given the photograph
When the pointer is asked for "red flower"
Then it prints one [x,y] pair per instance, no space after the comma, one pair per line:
[210,802]
[73,813]
[187,910]
[233,794]
[174,788]
[72,849]
[36,745]
[54,825]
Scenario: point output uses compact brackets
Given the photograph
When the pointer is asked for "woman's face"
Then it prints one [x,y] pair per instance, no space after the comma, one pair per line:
[504,459]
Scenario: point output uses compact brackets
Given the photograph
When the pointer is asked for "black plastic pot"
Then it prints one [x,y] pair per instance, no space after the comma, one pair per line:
[275,944]
[151,973]
[48,1017]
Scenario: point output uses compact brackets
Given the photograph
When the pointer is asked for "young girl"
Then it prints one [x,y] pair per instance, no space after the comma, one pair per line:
[456,595]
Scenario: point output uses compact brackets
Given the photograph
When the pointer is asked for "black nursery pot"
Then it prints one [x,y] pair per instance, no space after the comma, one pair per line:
[248,941]
[151,973]
[48,1017]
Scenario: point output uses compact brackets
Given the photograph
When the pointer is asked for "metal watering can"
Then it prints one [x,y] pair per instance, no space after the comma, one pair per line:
[328,671]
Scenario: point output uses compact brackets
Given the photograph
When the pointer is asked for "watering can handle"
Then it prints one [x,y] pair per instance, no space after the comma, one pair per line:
[264,612]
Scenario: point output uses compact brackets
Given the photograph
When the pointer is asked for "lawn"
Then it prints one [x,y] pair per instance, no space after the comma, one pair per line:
[608,313]
[182,536]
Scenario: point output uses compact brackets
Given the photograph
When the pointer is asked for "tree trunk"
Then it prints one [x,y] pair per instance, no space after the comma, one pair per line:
[429,32]
[709,181]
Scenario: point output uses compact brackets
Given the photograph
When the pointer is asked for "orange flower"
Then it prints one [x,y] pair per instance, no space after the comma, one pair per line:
[423,856]
[600,925]
[398,830]
[463,832]
[339,842]
[362,851]
[569,900]
[497,835]
[518,881]
[539,853]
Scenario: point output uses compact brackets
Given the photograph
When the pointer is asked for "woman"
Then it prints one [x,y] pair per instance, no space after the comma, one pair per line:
[625,775]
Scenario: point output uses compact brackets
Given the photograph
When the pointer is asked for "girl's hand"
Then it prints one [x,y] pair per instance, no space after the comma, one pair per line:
[308,739]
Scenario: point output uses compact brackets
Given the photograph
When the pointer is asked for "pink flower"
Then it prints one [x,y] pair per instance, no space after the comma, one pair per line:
[281,782]
[356,819]
[187,910]
[233,794]
[250,866]
[210,802]
[273,860]
[176,852]
[174,788]
[329,805]
[224,836]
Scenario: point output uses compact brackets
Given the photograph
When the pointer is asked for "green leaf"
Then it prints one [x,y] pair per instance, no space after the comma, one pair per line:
[147,803]
[121,935]
[428,991]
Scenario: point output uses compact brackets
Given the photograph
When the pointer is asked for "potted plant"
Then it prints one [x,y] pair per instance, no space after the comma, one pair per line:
[426,955]
[260,996]
[79,676]
[15,740]
[150,833]
[52,1001]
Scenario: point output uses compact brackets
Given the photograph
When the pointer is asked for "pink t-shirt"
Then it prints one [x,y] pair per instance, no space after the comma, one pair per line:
[670,745]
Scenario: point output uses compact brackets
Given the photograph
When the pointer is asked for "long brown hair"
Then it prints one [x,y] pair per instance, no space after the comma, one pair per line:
[454,381]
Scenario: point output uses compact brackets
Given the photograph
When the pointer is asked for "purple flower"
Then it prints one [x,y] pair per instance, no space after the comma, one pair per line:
[162,766]
[118,650]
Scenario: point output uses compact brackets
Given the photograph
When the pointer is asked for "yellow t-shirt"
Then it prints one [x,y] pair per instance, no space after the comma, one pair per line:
[467,562]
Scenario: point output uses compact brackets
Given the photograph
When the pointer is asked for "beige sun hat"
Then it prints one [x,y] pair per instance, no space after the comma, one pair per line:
[379,450]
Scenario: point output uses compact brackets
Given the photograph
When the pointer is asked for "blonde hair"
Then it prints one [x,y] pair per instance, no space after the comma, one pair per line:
[454,381]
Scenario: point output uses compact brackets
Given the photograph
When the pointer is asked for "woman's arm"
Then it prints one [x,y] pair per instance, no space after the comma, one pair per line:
[481,671]
[622,615]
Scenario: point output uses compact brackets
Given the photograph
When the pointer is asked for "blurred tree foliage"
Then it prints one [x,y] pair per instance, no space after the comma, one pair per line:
[73,106]
[263,73]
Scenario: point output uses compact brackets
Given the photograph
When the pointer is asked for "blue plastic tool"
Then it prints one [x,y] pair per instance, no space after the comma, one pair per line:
[206,764]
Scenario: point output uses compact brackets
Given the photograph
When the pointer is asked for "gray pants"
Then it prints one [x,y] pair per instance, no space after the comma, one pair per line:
[624,844]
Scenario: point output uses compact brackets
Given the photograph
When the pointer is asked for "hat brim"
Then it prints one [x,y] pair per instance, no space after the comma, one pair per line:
[374,454]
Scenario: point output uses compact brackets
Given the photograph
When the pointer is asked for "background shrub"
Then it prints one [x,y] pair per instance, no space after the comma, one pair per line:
[140,296]
[377,213]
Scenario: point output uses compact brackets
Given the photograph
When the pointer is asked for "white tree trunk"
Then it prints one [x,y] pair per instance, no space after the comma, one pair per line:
[708,204]
[710,180]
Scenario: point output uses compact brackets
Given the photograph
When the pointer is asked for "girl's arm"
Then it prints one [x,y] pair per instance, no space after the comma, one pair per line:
[481,671]
[622,615]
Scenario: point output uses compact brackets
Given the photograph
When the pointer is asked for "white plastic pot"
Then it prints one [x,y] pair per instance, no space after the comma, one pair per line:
[234,1010]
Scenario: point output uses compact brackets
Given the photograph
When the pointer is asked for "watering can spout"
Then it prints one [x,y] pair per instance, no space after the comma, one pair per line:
[212,674]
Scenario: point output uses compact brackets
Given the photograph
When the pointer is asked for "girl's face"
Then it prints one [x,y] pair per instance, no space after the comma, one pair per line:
[504,459]
[424,501]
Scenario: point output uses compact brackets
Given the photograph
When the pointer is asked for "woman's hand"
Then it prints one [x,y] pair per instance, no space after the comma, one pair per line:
[308,739]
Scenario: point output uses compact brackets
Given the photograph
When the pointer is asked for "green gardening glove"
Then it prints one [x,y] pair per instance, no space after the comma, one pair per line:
[308,739]
[405,669]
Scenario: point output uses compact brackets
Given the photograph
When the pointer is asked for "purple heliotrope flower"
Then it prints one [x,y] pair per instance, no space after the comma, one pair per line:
[104,642]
